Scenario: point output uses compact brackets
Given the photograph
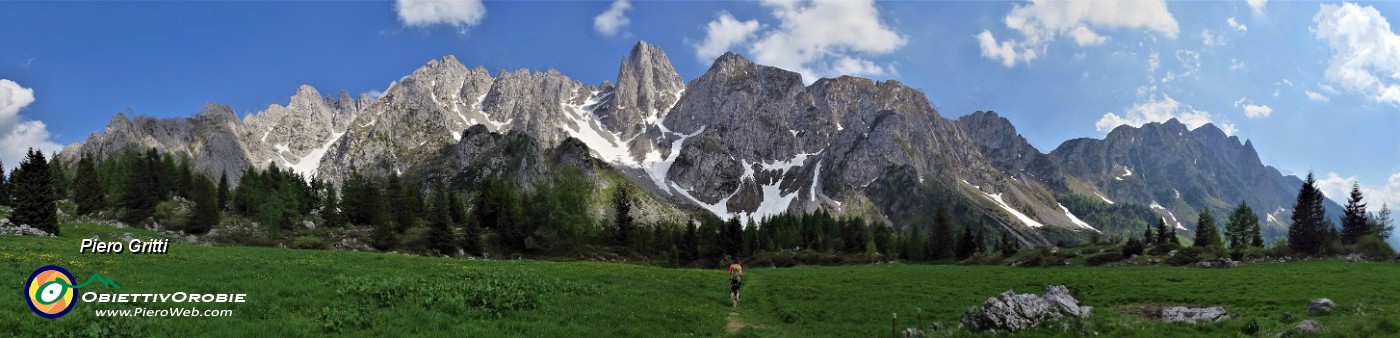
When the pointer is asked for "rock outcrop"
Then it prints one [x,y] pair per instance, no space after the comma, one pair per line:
[1181,314]
[1011,312]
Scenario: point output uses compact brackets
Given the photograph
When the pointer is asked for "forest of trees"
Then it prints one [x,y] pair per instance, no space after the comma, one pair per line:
[558,217]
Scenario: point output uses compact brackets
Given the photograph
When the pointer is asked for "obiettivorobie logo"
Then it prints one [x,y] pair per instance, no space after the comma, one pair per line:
[51,292]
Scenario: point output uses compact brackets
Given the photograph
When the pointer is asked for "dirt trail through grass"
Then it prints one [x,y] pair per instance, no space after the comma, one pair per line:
[734,323]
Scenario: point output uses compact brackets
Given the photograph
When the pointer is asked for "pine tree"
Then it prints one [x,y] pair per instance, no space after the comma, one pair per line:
[140,193]
[622,220]
[1310,228]
[440,238]
[458,209]
[1354,222]
[59,175]
[690,249]
[1380,223]
[206,205]
[915,245]
[1241,227]
[1165,234]
[1147,236]
[33,187]
[967,245]
[90,197]
[944,242]
[396,196]
[5,187]
[1206,232]
[1256,236]
[223,190]
[330,210]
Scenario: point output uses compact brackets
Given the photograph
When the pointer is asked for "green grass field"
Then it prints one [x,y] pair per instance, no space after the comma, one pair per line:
[318,293]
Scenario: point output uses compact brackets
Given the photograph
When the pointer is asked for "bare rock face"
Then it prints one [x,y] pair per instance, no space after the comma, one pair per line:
[1194,315]
[1011,312]
[647,87]
[209,139]
[293,136]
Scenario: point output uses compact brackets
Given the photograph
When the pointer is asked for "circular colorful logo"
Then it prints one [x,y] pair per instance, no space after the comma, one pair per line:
[50,292]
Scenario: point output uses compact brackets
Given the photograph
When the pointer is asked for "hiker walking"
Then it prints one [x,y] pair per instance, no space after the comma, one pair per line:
[736,275]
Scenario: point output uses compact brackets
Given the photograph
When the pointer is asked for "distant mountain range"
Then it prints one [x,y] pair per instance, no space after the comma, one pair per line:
[743,140]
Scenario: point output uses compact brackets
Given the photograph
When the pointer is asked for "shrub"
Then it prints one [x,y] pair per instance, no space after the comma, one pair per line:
[1042,256]
[309,242]
[1132,248]
[173,214]
[1163,249]
[416,239]
[1186,256]
[1104,258]
[1252,328]
[1374,248]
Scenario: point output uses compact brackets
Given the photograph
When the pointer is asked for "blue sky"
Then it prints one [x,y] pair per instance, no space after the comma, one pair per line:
[1314,85]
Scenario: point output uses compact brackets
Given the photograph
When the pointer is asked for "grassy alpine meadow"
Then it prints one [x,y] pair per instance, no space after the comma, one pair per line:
[319,293]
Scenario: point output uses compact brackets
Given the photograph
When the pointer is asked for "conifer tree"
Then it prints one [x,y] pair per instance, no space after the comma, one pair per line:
[944,241]
[1310,228]
[59,175]
[1147,236]
[206,208]
[440,238]
[5,187]
[967,245]
[622,221]
[90,195]
[915,245]
[1206,232]
[33,188]
[140,195]
[1164,234]
[1354,222]
[223,190]
[1241,227]
[1380,223]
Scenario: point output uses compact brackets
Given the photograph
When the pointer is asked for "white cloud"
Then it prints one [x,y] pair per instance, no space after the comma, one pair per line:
[1338,189]
[16,134]
[1257,5]
[816,38]
[1255,111]
[612,20]
[722,34]
[1316,97]
[1252,110]
[1159,110]
[1365,52]
[1154,61]
[1236,24]
[462,14]
[1212,40]
[1041,22]
[1190,64]
[1236,64]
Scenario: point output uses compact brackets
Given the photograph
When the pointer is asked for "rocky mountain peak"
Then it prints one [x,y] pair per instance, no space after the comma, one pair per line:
[647,87]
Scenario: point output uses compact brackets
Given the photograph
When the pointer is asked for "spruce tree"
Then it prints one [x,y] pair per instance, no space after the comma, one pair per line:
[457,209]
[206,205]
[89,194]
[5,187]
[690,249]
[1310,228]
[396,196]
[331,215]
[943,238]
[915,245]
[440,237]
[1354,222]
[1147,236]
[1009,245]
[1206,232]
[59,175]
[967,245]
[1380,223]
[223,190]
[1241,227]
[33,188]
[625,229]
[139,196]
[1164,234]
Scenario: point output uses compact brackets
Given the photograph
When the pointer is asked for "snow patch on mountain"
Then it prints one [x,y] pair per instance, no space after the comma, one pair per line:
[657,167]
[583,125]
[1076,220]
[308,165]
[1105,199]
[1027,220]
